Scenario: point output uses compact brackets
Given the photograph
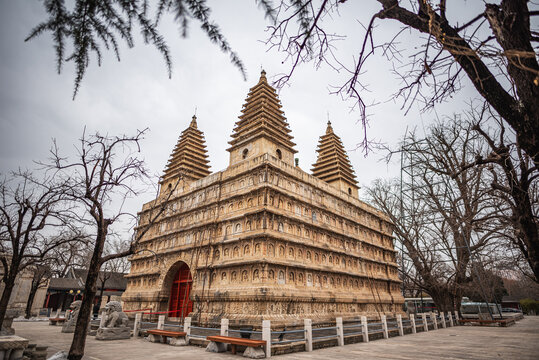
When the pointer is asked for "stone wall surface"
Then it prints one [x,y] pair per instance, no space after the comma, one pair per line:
[265,240]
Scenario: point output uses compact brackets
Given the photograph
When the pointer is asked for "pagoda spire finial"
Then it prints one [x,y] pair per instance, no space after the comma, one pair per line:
[263,76]
[193,122]
[329,129]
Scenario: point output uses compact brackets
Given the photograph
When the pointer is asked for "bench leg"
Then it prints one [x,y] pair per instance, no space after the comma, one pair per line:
[216,347]
[233,348]
[155,338]
[177,341]
[254,353]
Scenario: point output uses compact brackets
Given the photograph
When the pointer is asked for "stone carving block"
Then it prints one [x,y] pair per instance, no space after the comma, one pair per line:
[155,338]
[179,341]
[254,353]
[216,347]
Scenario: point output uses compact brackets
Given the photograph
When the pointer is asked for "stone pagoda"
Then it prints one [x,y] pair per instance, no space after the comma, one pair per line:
[262,239]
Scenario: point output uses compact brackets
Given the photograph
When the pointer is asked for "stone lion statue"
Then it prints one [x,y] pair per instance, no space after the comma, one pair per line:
[75,308]
[69,325]
[115,316]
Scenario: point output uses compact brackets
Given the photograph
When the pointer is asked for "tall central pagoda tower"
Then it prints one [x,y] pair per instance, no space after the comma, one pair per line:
[262,128]
[263,239]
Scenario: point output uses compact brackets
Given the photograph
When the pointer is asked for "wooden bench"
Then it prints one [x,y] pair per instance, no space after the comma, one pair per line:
[177,338]
[54,321]
[254,348]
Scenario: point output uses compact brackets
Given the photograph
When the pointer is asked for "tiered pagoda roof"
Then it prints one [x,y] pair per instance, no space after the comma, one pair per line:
[189,159]
[333,163]
[262,117]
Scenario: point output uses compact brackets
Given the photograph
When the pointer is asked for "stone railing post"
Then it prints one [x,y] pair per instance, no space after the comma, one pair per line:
[434,321]
[442,314]
[365,329]
[136,326]
[161,322]
[412,321]
[308,335]
[266,336]
[399,323]
[425,323]
[450,319]
[224,327]
[457,317]
[103,319]
[187,328]
[340,331]
[384,326]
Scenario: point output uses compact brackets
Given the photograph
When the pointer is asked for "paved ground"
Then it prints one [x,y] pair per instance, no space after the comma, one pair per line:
[520,341]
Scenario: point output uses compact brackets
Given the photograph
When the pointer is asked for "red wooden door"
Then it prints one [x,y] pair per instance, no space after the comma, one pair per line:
[180,303]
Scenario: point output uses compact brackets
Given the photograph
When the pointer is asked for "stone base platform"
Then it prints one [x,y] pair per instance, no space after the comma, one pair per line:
[12,347]
[118,333]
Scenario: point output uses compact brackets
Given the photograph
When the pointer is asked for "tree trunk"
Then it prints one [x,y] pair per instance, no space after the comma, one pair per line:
[6,294]
[527,230]
[30,302]
[76,352]
[443,299]
[9,282]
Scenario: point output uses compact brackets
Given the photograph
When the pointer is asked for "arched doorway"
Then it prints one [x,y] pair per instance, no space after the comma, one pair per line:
[180,305]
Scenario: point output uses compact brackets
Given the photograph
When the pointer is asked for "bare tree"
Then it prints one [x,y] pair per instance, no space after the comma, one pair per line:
[521,286]
[106,172]
[70,252]
[73,254]
[28,208]
[442,221]
[41,273]
[492,49]
[515,181]
[113,267]
[488,279]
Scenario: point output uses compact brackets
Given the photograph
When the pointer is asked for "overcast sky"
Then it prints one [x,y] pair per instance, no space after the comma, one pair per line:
[119,97]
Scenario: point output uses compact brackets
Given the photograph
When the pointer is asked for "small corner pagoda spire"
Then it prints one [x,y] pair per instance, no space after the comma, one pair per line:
[329,129]
[189,159]
[333,165]
[262,127]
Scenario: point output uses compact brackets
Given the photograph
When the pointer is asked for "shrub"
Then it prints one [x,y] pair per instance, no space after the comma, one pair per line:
[529,306]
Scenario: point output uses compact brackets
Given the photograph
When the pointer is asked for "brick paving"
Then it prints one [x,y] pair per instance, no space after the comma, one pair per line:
[520,341]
